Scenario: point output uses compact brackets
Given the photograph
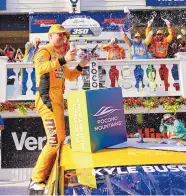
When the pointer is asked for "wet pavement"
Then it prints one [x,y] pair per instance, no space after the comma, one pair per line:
[14,188]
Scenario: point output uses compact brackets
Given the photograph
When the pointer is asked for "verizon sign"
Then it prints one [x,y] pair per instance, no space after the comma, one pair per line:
[22,142]
[30,143]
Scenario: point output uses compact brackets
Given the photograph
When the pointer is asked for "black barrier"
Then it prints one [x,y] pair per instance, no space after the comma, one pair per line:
[23,138]
[22,141]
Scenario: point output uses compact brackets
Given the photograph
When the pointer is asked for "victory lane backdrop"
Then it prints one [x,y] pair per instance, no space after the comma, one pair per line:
[81,24]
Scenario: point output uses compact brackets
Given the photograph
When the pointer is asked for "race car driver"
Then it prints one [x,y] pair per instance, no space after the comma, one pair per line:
[51,72]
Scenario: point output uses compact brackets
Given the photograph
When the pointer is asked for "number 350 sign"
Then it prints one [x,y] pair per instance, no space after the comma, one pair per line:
[80,31]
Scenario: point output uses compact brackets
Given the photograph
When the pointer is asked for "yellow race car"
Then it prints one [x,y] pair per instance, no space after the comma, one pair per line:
[126,171]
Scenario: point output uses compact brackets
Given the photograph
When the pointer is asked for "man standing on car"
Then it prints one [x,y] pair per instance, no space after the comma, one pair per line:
[51,72]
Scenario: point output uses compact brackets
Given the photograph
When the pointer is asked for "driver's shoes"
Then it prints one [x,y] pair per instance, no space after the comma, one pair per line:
[37,186]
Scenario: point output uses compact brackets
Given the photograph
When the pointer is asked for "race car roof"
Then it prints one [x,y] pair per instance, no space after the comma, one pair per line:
[118,157]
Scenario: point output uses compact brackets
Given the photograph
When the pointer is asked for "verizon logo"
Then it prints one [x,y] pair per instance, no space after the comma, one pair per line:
[30,143]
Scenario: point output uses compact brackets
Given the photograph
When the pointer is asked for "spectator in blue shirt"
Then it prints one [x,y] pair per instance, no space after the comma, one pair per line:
[30,50]
[1,123]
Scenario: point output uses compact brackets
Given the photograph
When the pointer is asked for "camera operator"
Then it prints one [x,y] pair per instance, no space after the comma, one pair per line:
[174,128]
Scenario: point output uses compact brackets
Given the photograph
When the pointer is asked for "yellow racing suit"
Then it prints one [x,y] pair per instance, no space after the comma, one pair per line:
[51,73]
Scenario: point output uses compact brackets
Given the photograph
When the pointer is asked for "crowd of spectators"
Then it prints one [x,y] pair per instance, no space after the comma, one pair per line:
[14,56]
[17,55]
[178,44]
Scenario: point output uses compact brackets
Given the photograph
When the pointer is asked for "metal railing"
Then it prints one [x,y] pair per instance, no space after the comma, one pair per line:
[137,78]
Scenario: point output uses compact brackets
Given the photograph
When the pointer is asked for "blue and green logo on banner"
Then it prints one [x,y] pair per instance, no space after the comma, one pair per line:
[165,3]
[2,4]
[96,119]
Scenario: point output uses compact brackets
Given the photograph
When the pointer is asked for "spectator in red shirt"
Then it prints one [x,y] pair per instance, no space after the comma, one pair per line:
[9,51]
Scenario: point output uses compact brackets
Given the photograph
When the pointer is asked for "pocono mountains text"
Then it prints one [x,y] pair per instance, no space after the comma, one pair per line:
[78,122]
[134,169]
[105,122]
